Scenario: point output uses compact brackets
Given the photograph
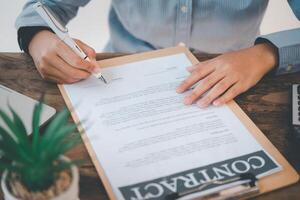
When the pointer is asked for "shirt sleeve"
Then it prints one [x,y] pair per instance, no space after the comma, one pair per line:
[29,22]
[287,44]
[25,35]
[64,9]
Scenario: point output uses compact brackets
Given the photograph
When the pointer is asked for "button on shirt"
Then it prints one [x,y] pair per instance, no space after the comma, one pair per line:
[210,26]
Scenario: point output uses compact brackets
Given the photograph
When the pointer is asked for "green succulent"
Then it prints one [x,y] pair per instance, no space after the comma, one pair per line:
[35,159]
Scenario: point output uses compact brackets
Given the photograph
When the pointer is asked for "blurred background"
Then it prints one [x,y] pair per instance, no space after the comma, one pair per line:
[95,32]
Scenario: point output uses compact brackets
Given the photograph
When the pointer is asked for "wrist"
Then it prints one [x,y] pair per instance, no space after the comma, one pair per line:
[37,39]
[26,34]
[267,54]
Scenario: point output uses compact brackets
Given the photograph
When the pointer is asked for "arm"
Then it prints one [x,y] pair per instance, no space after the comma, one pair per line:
[54,60]
[223,78]
[65,10]
[287,45]
[30,23]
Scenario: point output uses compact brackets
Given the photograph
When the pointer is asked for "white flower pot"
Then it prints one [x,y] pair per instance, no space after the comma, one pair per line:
[72,193]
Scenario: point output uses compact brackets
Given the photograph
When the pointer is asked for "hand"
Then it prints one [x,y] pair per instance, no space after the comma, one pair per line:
[57,62]
[228,75]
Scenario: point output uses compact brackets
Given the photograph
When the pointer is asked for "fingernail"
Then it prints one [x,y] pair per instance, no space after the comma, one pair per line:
[217,103]
[96,69]
[179,90]
[187,101]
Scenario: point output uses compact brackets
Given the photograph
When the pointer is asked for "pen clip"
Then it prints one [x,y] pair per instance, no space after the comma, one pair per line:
[248,181]
[54,19]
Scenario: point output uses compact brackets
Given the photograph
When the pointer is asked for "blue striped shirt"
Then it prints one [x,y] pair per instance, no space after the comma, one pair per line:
[210,26]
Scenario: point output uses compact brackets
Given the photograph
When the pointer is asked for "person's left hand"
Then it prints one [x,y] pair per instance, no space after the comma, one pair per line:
[228,75]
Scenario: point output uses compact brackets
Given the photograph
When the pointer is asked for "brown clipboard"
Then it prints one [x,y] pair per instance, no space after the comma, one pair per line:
[286,177]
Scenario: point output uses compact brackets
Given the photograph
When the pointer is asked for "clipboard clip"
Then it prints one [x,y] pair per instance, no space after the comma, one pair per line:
[241,187]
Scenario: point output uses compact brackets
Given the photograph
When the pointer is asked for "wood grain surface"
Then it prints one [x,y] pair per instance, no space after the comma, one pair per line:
[267,104]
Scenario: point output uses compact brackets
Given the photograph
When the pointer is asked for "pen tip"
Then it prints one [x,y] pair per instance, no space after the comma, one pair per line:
[103,79]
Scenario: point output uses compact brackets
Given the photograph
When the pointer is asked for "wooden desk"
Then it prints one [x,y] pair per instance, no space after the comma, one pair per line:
[267,104]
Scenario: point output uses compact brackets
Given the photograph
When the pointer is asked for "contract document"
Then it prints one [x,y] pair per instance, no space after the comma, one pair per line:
[149,143]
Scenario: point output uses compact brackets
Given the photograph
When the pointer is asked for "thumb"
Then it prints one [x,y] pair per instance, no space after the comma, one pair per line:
[89,51]
[97,68]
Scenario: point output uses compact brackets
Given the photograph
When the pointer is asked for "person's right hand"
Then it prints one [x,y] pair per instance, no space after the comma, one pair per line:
[57,62]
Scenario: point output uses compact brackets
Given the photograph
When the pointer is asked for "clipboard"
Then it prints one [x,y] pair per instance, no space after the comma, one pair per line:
[286,177]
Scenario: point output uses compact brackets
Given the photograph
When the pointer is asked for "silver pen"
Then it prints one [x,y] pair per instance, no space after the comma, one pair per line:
[62,32]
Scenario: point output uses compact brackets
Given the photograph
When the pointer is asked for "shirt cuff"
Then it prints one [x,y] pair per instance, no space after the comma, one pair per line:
[288,48]
[25,35]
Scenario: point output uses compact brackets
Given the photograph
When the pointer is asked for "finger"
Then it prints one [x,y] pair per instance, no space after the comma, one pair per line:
[197,66]
[230,94]
[97,69]
[196,76]
[192,68]
[89,51]
[51,73]
[69,56]
[216,91]
[69,70]
[203,86]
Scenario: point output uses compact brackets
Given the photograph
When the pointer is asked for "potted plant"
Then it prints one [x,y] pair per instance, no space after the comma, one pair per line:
[34,167]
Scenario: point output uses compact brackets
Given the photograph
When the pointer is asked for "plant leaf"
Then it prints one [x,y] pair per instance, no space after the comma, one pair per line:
[22,138]
[18,122]
[66,165]
[59,120]
[10,146]
[58,136]
[63,147]
[36,125]
[21,131]
[8,151]
[7,138]
[8,166]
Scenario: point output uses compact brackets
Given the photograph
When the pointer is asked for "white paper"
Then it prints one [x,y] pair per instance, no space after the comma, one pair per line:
[141,131]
